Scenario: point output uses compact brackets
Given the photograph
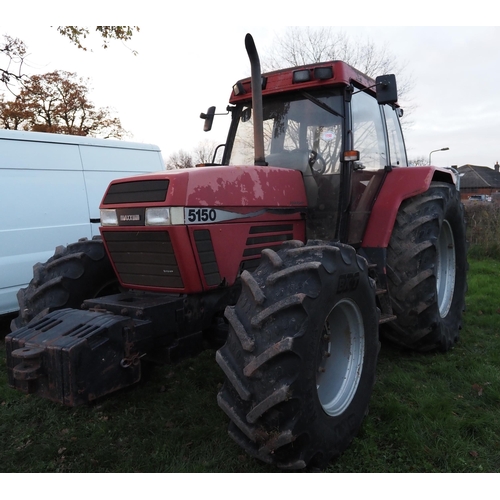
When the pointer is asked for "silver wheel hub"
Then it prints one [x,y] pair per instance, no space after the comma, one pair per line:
[342,354]
[446,269]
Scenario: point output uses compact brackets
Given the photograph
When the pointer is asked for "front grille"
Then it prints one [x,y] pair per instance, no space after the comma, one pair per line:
[144,258]
[137,192]
[267,240]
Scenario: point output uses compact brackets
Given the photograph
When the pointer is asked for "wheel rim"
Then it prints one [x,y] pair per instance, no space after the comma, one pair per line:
[446,269]
[342,354]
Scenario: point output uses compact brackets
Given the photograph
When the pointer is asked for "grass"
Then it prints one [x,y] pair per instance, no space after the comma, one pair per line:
[429,413]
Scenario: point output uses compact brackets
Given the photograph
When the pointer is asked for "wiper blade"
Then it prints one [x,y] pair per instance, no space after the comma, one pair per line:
[322,105]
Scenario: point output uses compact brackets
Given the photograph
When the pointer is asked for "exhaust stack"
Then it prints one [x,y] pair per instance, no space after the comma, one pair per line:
[258,114]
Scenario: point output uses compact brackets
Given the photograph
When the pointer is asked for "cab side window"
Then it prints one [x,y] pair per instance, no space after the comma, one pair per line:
[368,131]
[396,143]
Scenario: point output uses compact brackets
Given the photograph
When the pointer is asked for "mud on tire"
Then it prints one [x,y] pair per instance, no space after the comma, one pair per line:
[426,270]
[74,273]
[301,355]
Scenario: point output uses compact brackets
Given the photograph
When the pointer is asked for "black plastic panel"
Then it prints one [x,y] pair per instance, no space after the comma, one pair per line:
[207,257]
[137,192]
[144,258]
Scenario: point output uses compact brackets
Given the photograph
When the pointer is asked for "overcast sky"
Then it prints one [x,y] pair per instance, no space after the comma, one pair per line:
[183,69]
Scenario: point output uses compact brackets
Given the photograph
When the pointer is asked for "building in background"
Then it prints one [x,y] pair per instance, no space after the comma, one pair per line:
[479,181]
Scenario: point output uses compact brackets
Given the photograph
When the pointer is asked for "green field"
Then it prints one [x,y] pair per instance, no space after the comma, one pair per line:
[429,413]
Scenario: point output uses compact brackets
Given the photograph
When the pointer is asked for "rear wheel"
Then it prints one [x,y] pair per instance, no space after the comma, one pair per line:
[73,274]
[301,355]
[426,270]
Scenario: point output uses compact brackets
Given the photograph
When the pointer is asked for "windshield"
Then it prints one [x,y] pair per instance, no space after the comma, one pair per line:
[300,131]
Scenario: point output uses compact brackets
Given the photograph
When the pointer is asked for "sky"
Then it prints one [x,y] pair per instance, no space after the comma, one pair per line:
[184,67]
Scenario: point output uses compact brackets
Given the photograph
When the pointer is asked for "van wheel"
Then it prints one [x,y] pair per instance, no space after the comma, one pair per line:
[73,274]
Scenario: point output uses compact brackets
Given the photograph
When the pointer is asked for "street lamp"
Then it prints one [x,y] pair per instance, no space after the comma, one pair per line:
[430,154]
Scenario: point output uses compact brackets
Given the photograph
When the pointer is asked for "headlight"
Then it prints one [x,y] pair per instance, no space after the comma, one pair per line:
[158,216]
[164,216]
[109,217]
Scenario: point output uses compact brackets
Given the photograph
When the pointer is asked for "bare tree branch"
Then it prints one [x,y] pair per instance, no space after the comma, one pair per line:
[78,34]
[300,45]
[179,159]
[13,51]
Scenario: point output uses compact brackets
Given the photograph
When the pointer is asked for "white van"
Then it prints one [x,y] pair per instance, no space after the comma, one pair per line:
[50,189]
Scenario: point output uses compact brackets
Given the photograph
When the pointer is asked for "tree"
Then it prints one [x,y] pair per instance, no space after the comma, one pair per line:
[13,114]
[76,34]
[202,153]
[58,102]
[419,161]
[300,45]
[179,159]
[14,51]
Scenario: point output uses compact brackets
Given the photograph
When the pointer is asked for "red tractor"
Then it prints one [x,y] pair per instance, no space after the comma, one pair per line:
[310,237]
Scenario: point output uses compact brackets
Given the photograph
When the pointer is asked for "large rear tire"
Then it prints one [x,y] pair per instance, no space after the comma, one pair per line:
[74,273]
[426,270]
[301,355]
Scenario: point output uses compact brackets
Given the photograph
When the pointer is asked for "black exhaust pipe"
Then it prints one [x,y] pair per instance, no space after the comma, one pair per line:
[258,114]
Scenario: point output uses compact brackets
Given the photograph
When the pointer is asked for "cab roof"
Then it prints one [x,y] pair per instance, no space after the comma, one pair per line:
[302,78]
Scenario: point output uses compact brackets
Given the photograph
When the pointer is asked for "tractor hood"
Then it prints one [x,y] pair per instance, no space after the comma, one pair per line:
[231,186]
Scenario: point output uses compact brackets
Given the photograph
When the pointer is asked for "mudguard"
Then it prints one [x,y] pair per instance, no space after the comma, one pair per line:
[400,184]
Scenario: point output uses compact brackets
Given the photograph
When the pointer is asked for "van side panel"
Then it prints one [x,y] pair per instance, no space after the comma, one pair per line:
[33,155]
[43,204]
[102,165]
[50,191]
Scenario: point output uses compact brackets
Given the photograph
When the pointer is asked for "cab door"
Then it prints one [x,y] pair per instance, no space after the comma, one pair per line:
[376,134]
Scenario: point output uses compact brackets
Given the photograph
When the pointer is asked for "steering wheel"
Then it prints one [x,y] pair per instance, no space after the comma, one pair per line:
[316,162]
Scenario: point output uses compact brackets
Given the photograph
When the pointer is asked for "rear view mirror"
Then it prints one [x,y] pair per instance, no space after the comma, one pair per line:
[387,92]
[246,115]
[209,118]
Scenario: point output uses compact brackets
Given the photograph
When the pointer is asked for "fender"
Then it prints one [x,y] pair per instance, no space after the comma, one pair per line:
[400,184]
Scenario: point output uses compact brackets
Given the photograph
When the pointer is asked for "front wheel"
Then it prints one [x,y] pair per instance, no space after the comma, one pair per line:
[80,271]
[301,355]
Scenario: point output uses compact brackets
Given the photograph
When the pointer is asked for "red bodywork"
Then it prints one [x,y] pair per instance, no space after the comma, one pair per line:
[281,81]
[268,205]
[400,184]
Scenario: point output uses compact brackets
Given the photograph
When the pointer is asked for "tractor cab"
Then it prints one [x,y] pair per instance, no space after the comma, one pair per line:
[336,126]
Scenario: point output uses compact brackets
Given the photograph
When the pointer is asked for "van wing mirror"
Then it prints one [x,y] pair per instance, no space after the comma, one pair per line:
[387,92]
[209,118]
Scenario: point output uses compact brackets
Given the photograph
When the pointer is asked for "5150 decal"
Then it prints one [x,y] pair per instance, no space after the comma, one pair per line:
[208,215]
[198,215]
